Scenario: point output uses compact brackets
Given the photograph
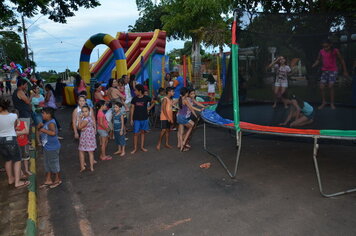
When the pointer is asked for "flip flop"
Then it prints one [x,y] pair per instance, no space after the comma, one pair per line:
[42,186]
[55,185]
[107,158]
[25,184]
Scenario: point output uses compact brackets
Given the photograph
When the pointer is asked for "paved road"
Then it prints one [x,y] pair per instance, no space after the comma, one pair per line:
[166,193]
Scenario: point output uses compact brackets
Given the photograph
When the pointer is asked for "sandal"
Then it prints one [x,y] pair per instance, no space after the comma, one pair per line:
[106,158]
[185,149]
[25,184]
[55,185]
[42,186]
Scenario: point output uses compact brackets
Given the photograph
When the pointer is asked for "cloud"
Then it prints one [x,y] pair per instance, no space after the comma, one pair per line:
[57,46]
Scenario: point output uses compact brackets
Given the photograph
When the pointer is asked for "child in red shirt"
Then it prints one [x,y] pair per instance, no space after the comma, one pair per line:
[22,131]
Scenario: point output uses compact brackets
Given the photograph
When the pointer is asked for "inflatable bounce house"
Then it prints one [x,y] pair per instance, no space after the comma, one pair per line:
[141,54]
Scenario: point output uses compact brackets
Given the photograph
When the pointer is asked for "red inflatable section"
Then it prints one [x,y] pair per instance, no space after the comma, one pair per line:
[127,40]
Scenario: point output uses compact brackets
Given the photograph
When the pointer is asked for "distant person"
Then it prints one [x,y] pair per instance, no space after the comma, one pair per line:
[40,84]
[22,102]
[51,148]
[87,140]
[132,84]
[119,129]
[2,88]
[128,95]
[166,117]
[168,80]
[139,116]
[211,87]
[9,149]
[50,100]
[58,92]
[79,85]
[99,94]
[301,113]
[281,80]
[327,56]
[178,83]
[103,129]
[38,103]
[88,101]
[8,86]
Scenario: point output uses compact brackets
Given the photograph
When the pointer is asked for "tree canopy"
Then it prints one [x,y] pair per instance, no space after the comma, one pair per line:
[57,10]
[12,48]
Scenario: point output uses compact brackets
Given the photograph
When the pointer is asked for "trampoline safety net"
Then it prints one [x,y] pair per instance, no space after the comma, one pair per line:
[309,55]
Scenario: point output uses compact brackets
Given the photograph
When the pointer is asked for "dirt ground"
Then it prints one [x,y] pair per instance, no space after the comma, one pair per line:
[166,193]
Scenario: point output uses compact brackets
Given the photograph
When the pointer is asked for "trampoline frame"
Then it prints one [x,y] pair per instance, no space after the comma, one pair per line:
[233,174]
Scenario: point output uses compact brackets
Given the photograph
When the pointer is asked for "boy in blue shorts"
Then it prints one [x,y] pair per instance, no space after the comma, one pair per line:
[139,115]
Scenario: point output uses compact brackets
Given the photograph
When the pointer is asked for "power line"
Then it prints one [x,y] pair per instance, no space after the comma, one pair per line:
[61,41]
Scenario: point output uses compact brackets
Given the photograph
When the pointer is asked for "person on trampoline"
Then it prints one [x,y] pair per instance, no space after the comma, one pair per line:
[327,56]
[281,81]
[300,113]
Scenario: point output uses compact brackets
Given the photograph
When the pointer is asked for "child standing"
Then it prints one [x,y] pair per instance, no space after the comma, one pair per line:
[119,129]
[166,117]
[87,140]
[22,131]
[103,130]
[51,148]
[139,116]
[301,112]
[211,88]
[281,81]
[184,120]
[328,56]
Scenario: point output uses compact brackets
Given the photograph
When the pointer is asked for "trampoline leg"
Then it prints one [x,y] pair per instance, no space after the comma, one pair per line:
[238,143]
[316,165]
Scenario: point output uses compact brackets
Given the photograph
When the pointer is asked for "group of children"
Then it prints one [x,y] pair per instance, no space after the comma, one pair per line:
[110,119]
[301,112]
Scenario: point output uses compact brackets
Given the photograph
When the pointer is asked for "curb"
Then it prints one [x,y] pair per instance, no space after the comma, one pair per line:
[31,224]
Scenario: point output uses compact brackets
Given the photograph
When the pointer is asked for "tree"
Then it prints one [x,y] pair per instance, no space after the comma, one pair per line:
[150,16]
[12,48]
[57,10]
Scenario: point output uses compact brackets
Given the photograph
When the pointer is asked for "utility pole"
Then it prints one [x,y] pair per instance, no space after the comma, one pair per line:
[25,40]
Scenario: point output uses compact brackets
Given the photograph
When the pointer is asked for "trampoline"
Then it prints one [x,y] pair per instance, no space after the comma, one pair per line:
[261,118]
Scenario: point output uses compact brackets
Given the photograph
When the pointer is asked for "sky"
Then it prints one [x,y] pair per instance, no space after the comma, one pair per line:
[57,46]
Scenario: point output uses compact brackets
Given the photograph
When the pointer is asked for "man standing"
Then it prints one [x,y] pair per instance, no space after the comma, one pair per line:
[21,101]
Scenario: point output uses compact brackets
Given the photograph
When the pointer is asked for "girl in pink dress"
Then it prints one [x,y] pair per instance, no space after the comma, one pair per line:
[87,140]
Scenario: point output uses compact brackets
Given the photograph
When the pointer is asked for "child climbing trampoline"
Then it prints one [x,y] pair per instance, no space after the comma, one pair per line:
[301,113]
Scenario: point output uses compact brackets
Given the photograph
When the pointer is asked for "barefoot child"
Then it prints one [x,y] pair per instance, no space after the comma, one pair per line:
[22,131]
[328,56]
[87,140]
[103,129]
[51,147]
[301,112]
[184,120]
[166,117]
[119,129]
[139,116]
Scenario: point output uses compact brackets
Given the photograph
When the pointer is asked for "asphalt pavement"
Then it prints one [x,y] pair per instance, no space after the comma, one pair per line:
[166,193]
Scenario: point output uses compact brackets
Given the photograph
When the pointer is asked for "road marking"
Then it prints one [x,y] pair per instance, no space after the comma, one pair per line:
[179,222]
[83,222]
